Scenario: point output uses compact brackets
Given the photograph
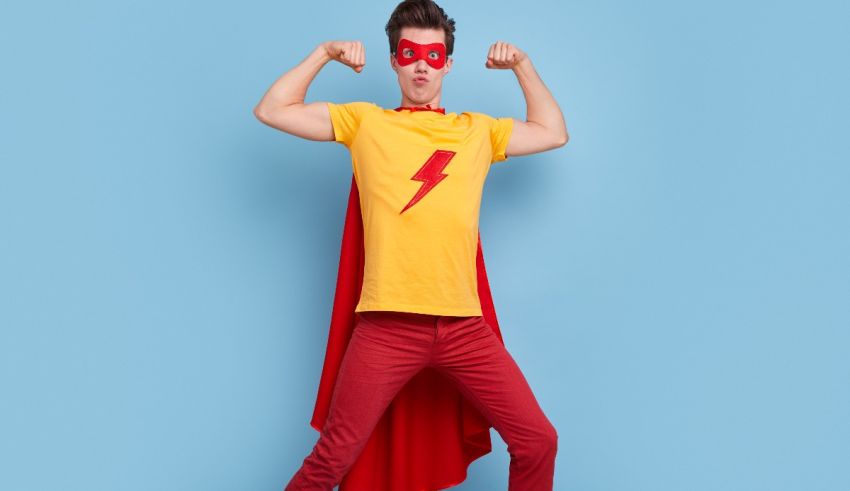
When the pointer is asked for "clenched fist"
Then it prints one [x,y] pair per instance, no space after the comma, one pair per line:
[504,55]
[351,53]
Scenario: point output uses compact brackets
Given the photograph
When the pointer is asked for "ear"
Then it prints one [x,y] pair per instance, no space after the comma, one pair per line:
[393,62]
[448,66]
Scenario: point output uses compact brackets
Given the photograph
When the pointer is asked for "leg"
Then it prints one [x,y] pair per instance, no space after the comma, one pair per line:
[385,351]
[470,354]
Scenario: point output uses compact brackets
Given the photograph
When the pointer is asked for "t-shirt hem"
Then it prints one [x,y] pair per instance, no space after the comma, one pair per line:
[420,309]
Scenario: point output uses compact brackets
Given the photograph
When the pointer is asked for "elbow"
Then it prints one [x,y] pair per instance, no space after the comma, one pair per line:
[562,140]
[259,113]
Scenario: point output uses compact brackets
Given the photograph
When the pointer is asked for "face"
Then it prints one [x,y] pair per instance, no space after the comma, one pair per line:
[421,63]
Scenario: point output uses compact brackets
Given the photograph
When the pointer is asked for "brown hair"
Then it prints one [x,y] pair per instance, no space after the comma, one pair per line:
[420,13]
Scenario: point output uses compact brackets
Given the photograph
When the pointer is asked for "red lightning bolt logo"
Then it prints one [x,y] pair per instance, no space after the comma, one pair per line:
[431,173]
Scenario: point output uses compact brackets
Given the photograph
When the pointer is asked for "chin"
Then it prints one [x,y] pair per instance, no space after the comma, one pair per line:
[418,98]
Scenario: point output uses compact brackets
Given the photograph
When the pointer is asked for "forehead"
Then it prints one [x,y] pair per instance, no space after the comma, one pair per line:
[423,35]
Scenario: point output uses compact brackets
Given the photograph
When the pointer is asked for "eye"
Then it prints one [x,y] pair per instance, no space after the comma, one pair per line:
[407,52]
[434,55]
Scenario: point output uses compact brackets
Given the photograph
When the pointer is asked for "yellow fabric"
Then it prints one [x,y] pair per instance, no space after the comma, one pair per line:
[423,258]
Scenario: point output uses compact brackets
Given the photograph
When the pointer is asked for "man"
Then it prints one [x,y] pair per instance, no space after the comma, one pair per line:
[417,370]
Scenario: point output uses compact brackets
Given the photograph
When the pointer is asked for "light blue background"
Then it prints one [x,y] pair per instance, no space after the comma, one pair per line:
[674,282]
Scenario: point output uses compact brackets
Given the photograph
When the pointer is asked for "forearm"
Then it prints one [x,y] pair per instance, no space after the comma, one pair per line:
[542,109]
[291,87]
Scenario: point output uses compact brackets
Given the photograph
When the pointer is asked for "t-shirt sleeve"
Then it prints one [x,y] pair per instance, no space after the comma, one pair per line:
[346,119]
[500,135]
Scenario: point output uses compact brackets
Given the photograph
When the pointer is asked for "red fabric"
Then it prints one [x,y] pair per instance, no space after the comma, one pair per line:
[426,107]
[430,433]
[420,52]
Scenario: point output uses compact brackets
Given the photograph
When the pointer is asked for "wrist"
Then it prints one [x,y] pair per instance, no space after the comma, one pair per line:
[322,51]
[523,65]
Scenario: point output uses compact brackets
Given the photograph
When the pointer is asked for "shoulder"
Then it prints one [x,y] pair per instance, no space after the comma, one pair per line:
[347,118]
[359,107]
[352,113]
[475,116]
[489,122]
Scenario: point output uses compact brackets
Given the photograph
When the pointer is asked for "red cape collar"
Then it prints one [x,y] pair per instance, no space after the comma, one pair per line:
[426,107]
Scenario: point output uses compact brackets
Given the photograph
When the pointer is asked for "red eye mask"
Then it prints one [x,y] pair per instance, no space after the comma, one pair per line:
[408,52]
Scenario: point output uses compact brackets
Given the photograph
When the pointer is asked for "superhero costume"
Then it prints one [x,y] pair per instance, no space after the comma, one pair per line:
[409,51]
[427,405]
[430,433]
[420,178]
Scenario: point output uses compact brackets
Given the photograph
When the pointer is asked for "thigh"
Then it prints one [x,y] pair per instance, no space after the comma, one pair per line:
[383,349]
[474,358]
[382,355]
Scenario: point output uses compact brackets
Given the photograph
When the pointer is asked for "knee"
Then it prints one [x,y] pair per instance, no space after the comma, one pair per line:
[549,440]
[540,444]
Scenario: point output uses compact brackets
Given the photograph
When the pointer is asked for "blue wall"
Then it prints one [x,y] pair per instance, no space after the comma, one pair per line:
[674,282]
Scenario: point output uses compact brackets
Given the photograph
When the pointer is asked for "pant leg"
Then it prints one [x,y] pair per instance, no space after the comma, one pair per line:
[385,351]
[470,354]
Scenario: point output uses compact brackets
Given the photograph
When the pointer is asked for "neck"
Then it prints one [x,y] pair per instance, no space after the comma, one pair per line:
[405,102]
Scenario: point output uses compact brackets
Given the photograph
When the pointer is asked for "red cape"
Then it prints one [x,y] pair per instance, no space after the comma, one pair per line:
[430,433]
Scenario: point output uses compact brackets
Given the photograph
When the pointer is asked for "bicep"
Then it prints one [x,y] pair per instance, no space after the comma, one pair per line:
[311,121]
[528,137]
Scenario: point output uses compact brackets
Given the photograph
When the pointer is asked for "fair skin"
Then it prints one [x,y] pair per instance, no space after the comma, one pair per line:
[283,107]
[414,94]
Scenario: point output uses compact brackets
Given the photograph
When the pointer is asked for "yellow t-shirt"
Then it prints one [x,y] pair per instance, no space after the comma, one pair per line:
[420,175]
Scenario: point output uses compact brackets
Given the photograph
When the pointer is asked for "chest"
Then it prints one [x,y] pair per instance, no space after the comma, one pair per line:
[388,152]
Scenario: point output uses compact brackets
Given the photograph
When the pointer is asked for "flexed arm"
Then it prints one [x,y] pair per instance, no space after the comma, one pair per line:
[544,128]
[283,106]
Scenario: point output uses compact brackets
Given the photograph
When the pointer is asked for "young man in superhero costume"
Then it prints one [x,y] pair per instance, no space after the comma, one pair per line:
[415,370]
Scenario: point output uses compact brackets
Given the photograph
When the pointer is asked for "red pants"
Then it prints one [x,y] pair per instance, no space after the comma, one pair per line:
[386,350]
